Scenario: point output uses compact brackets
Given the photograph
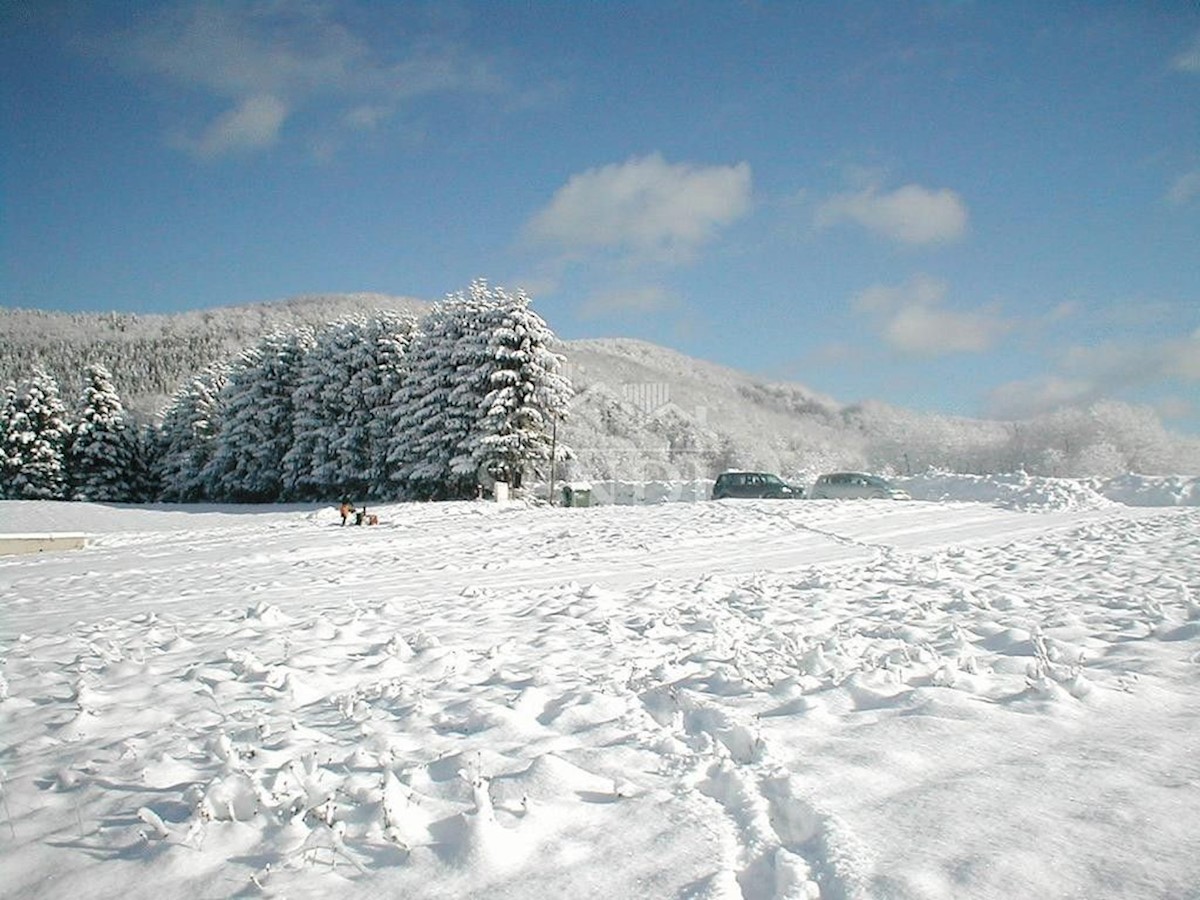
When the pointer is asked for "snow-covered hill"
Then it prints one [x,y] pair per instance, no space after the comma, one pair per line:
[151,355]
[642,412]
[744,699]
[647,413]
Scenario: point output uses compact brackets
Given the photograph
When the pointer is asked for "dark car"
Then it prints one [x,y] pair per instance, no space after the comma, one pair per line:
[756,485]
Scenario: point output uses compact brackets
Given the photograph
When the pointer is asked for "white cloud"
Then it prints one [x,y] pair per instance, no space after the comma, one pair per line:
[929,331]
[1188,60]
[1090,373]
[911,214]
[1061,312]
[835,353]
[1175,407]
[646,208]
[638,301]
[252,125]
[882,298]
[1183,357]
[1116,365]
[537,284]
[1031,397]
[913,320]
[240,49]
[366,116]
[1185,188]
[269,59]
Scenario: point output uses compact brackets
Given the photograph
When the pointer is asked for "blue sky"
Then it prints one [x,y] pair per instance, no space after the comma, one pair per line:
[984,209]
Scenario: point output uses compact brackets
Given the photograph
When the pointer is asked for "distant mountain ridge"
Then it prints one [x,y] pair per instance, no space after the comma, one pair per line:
[150,355]
[641,411]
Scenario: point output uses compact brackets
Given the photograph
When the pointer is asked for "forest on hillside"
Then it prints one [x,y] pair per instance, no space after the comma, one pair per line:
[638,412]
[150,356]
[370,407]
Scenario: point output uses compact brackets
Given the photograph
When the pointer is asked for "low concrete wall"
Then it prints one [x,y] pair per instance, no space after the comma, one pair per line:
[37,543]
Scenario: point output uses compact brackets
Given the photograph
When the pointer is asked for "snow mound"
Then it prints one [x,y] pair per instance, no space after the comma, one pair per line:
[1028,492]
[1013,491]
[1143,490]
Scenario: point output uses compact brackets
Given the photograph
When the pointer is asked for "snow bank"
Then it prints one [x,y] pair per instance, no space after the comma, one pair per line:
[1022,491]
[1143,490]
[1012,491]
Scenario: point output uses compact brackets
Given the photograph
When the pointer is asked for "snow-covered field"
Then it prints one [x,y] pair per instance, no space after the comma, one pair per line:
[988,698]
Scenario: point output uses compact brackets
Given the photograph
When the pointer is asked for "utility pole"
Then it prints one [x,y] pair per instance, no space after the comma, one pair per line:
[553,454]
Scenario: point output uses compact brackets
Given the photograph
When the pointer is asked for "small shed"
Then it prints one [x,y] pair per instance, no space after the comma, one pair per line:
[578,493]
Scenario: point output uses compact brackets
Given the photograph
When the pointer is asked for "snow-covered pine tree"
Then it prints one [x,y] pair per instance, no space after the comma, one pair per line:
[444,396]
[143,478]
[481,311]
[102,455]
[528,396]
[187,436]
[37,439]
[394,346]
[8,469]
[310,466]
[420,444]
[376,374]
[256,428]
[341,407]
[479,356]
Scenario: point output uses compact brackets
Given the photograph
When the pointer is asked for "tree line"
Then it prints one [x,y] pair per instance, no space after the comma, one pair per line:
[382,406]
[150,355]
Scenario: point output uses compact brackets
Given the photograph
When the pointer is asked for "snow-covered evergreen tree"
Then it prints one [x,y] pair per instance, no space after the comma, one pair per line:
[187,436]
[394,344]
[378,371]
[102,457]
[528,395]
[341,406]
[480,312]
[37,439]
[480,398]
[311,466]
[8,469]
[143,480]
[425,427]
[256,428]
